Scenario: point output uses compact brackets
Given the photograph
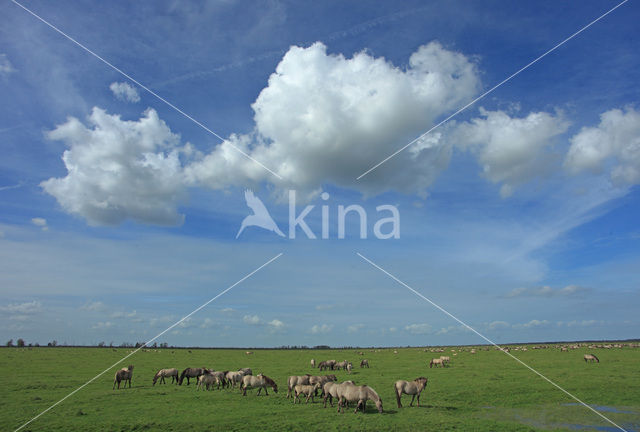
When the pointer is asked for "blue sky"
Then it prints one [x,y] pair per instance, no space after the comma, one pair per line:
[118,215]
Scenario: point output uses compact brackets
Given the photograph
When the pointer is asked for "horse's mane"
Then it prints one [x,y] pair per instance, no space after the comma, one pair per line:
[269,380]
[371,392]
[420,378]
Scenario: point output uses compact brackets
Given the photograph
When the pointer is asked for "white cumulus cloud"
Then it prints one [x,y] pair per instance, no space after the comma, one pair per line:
[612,147]
[355,328]
[251,319]
[323,328]
[125,91]
[26,308]
[6,67]
[326,118]
[511,150]
[40,222]
[119,170]
[418,328]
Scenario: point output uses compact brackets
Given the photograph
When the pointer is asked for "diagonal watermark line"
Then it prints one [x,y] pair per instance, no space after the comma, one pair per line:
[486,339]
[144,87]
[151,340]
[491,89]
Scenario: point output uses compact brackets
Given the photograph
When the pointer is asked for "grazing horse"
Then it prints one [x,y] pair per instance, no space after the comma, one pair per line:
[163,373]
[260,382]
[191,373]
[235,378]
[360,394]
[210,378]
[364,363]
[437,362]
[307,390]
[125,375]
[414,388]
[330,391]
[313,363]
[591,358]
[341,365]
[295,380]
[327,364]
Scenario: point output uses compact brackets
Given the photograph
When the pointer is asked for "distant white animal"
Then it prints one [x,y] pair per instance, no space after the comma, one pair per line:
[260,216]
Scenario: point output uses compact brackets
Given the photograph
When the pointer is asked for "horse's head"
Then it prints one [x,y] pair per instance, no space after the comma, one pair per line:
[379,405]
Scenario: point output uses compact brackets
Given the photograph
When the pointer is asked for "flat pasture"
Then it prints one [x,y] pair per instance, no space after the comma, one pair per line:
[485,391]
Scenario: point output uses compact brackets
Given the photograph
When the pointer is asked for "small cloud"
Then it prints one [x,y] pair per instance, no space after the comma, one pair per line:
[93,306]
[451,329]
[496,325]
[393,329]
[123,314]
[251,319]
[103,325]
[22,308]
[275,325]
[532,324]
[207,323]
[325,307]
[125,92]
[321,329]
[227,310]
[547,291]
[584,323]
[6,67]
[418,328]
[355,328]
[40,222]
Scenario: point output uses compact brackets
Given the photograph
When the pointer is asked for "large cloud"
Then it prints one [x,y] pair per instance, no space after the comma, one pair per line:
[613,147]
[119,169]
[326,118]
[511,150]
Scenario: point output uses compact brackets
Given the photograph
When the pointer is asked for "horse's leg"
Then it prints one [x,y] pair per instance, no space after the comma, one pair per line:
[266,393]
[412,399]
[418,399]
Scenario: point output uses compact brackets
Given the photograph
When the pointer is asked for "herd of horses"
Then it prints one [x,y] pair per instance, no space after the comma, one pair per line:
[298,385]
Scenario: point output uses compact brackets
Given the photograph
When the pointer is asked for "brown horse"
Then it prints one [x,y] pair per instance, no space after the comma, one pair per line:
[307,390]
[164,373]
[330,390]
[125,375]
[414,388]
[295,380]
[436,362]
[364,363]
[191,373]
[260,382]
[591,358]
[360,394]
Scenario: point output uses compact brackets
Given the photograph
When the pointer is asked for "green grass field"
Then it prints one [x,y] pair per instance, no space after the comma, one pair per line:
[487,391]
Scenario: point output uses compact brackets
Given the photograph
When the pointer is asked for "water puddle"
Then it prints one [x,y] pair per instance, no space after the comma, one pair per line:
[602,408]
[628,428]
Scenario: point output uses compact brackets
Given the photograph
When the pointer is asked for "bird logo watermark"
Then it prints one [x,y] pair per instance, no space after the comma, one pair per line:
[384,228]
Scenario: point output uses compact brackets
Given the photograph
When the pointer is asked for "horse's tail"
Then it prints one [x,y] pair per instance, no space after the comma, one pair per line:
[395,390]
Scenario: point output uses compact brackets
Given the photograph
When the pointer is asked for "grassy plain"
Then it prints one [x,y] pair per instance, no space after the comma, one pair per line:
[487,391]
